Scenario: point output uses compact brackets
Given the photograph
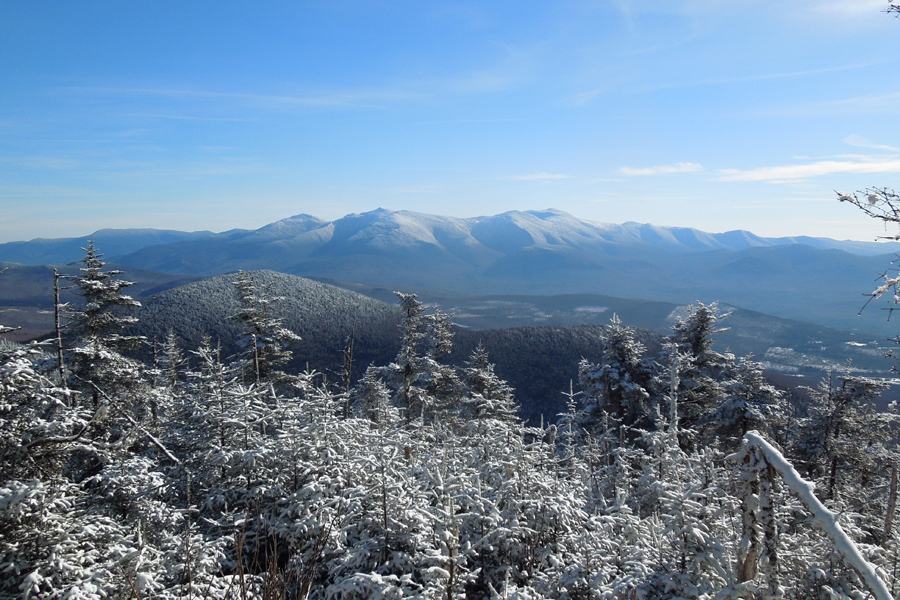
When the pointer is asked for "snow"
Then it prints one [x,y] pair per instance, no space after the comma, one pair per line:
[822,517]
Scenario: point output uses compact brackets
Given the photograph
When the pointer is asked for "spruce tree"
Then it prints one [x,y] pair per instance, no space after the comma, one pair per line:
[264,338]
[97,361]
[619,384]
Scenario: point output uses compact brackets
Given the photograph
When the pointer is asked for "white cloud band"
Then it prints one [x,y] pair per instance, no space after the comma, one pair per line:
[816,169]
[682,167]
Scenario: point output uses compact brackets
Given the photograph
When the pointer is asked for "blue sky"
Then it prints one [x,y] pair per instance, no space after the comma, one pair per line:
[214,115]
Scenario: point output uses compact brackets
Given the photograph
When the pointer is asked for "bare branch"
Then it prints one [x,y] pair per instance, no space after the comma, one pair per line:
[131,420]
[879,203]
[100,412]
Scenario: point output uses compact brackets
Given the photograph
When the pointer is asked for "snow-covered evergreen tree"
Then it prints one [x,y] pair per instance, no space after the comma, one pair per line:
[97,362]
[700,388]
[264,337]
[373,399]
[846,442]
[619,384]
[424,386]
[748,403]
[492,397]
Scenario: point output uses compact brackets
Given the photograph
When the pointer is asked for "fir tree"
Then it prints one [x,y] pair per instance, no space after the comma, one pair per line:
[703,373]
[749,402]
[424,385]
[264,337]
[619,384]
[373,399]
[845,442]
[97,362]
[492,397]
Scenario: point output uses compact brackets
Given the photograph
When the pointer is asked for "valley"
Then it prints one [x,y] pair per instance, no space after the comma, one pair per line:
[586,393]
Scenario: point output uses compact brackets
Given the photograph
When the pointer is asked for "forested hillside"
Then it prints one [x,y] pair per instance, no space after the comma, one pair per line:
[208,475]
[537,361]
[323,315]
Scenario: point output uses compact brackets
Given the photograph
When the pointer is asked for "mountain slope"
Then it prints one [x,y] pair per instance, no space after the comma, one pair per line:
[537,361]
[112,242]
[549,252]
[322,314]
[32,286]
[304,244]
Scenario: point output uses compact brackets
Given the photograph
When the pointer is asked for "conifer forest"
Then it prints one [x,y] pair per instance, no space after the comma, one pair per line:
[204,473]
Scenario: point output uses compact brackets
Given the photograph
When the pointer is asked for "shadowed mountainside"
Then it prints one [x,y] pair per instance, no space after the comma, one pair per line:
[551,252]
[323,315]
[536,252]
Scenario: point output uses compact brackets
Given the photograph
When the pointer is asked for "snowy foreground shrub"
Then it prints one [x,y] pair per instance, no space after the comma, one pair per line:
[206,476]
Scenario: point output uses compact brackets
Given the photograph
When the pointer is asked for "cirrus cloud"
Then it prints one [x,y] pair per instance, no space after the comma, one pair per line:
[861,142]
[815,169]
[681,167]
[542,176]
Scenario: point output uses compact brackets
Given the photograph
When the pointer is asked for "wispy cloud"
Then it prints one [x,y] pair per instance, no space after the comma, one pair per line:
[451,121]
[850,8]
[41,162]
[470,83]
[587,97]
[816,169]
[541,176]
[861,142]
[413,190]
[350,98]
[874,103]
[187,117]
[681,167]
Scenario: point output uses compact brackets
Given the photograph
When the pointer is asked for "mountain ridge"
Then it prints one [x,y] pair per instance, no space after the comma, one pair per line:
[545,252]
[518,223]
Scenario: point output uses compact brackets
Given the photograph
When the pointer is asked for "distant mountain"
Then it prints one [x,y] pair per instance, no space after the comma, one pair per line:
[307,245]
[476,241]
[549,252]
[112,242]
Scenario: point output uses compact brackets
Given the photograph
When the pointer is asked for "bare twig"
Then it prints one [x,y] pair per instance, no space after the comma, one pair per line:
[98,414]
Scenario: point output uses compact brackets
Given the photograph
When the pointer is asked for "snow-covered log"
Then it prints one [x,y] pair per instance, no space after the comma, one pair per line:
[823,517]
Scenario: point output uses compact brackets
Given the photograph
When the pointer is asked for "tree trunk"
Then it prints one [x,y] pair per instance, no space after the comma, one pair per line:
[58,327]
[892,505]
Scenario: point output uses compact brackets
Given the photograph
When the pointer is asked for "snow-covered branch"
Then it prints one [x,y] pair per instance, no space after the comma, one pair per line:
[822,517]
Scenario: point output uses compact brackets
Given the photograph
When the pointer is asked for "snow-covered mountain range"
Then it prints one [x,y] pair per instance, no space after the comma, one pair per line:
[477,240]
[525,252]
